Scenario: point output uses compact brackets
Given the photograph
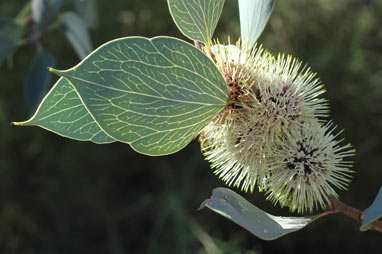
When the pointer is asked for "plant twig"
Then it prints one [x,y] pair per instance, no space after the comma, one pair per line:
[340,207]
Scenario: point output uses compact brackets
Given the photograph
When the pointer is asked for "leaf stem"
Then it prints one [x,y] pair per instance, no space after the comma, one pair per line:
[338,206]
[199,45]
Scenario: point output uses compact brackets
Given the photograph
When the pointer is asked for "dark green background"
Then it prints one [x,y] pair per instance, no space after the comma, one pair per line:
[63,196]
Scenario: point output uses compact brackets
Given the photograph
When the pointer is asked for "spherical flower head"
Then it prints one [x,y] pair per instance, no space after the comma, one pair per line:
[275,92]
[236,160]
[306,166]
[269,97]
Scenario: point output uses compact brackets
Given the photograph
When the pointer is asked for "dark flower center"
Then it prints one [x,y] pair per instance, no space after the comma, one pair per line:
[307,160]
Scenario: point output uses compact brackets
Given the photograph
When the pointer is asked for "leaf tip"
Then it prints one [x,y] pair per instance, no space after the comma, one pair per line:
[57,72]
[17,123]
[202,205]
[51,69]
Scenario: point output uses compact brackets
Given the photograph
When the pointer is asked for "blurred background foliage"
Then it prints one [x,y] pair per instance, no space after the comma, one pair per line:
[63,196]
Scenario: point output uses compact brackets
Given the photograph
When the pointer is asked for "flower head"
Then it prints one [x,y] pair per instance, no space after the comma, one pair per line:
[269,97]
[276,91]
[306,166]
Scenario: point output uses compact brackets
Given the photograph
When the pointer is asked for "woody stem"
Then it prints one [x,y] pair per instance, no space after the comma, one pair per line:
[338,206]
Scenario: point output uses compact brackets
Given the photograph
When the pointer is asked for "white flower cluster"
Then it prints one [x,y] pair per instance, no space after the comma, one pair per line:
[271,133]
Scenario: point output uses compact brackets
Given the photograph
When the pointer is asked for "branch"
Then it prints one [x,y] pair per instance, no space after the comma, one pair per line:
[339,207]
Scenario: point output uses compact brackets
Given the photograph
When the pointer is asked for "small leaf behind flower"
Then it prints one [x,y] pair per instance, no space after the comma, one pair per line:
[196,19]
[254,16]
[373,213]
[263,225]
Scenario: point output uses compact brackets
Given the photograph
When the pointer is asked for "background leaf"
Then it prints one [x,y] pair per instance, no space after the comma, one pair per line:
[77,33]
[7,46]
[63,113]
[22,17]
[45,12]
[88,12]
[155,94]
[37,78]
[196,19]
[10,34]
[263,225]
[373,213]
[254,16]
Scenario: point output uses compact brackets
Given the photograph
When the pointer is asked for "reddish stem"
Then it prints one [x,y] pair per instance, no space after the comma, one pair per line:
[339,207]
[199,45]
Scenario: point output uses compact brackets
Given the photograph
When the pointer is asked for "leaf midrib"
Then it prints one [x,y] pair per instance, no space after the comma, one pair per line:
[136,93]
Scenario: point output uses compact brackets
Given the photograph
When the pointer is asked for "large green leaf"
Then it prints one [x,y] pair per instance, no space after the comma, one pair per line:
[373,213]
[63,112]
[196,19]
[254,16]
[263,225]
[155,94]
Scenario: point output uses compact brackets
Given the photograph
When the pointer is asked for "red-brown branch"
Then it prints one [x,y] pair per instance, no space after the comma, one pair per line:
[339,207]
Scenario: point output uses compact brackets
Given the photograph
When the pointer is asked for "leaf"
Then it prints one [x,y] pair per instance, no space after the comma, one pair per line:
[10,34]
[22,17]
[63,112]
[10,28]
[77,34]
[88,12]
[37,78]
[373,213]
[254,16]
[7,46]
[196,19]
[263,225]
[154,94]
[45,12]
